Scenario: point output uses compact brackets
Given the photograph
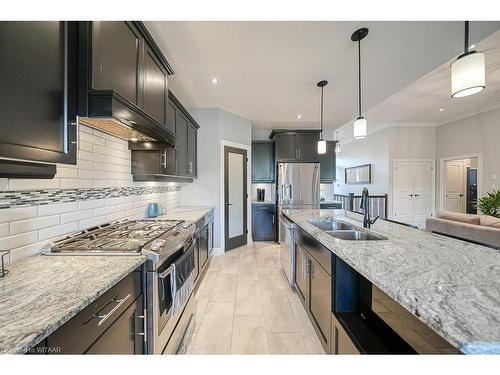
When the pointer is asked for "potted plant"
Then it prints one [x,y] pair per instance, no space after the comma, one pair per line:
[490,204]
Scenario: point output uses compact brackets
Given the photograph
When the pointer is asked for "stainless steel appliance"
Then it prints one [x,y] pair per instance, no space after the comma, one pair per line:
[298,187]
[170,269]
[287,248]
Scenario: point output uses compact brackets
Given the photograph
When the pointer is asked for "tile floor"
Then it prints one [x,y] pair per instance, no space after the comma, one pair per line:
[244,305]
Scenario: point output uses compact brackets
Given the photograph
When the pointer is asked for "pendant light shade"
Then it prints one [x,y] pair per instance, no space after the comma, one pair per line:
[321,142]
[360,124]
[468,74]
[360,128]
[337,141]
[321,146]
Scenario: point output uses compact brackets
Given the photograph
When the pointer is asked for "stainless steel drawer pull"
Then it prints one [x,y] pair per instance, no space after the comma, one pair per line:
[102,318]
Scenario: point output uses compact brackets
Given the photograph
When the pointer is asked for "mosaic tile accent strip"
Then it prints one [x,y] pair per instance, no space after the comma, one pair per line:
[10,199]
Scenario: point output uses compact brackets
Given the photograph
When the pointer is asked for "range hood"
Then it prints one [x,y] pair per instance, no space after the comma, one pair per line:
[111,113]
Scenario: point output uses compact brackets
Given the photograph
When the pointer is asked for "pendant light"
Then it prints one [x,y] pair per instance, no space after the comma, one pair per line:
[322,142]
[467,71]
[337,141]
[360,124]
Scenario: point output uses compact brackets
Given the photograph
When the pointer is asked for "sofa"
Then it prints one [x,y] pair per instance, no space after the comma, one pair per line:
[481,229]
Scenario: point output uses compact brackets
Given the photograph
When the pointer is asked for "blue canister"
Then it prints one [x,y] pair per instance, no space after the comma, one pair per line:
[153,210]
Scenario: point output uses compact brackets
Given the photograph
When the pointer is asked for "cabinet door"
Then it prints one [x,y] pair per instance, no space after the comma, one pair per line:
[170,117]
[203,244]
[182,144]
[286,146]
[125,335]
[327,164]
[155,87]
[263,162]
[116,58]
[263,222]
[321,299]
[340,341]
[307,146]
[35,58]
[191,149]
[301,273]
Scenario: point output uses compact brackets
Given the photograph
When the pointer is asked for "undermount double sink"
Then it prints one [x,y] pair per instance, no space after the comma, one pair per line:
[345,231]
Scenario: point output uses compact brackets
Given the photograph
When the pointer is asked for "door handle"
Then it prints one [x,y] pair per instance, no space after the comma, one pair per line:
[411,195]
[228,204]
[416,195]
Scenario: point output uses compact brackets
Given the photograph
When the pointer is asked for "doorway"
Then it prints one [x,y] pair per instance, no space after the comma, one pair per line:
[235,197]
[460,190]
[413,191]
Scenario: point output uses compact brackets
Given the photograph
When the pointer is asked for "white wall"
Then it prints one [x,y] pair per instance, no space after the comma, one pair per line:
[216,126]
[374,150]
[472,135]
[102,161]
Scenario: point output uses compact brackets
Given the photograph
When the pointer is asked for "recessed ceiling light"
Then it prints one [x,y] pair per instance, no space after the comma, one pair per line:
[441,109]
[134,139]
[215,80]
[472,46]
[299,116]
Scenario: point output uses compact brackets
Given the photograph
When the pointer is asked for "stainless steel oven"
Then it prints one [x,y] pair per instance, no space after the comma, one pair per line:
[169,290]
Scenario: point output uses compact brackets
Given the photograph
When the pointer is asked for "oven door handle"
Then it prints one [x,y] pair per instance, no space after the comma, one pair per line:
[167,272]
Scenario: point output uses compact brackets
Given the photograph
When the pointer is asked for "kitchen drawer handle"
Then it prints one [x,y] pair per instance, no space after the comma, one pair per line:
[102,318]
[145,333]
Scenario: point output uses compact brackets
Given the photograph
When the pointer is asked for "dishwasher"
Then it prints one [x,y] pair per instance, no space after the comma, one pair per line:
[287,248]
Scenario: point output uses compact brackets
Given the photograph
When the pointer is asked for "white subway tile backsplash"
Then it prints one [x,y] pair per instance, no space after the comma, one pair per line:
[104,210]
[13,214]
[91,222]
[56,231]
[33,184]
[4,230]
[76,183]
[29,225]
[103,161]
[59,208]
[76,216]
[11,242]
[94,203]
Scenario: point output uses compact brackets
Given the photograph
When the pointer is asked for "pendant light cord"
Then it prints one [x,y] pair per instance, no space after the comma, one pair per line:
[321,136]
[359,77]
[466,44]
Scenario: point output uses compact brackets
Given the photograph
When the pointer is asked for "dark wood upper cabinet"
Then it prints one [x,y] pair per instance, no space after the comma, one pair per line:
[328,164]
[38,71]
[155,87]
[116,58]
[307,146]
[181,144]
[191,150]
[286,146]
[170,116]
[262,162]
[296,145]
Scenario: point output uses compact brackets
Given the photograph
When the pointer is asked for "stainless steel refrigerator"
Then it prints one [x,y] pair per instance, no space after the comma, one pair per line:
[298,187]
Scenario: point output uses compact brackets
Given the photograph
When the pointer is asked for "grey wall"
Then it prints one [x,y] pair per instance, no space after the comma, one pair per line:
[476,134]
[216,125]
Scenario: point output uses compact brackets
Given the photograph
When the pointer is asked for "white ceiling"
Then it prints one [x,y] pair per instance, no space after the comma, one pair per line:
[420,102]
[268,71]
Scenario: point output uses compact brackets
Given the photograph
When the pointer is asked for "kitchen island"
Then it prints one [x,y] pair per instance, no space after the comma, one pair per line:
[451,286]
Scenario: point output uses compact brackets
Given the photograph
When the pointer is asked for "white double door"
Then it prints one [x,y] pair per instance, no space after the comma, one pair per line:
[413,190]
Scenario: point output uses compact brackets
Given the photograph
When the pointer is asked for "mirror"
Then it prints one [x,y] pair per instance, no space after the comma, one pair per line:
[361,174]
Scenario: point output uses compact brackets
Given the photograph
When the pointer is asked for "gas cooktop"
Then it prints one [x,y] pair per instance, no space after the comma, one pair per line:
[122,237]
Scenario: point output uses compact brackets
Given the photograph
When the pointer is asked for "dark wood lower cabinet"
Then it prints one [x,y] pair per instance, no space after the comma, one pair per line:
[341,343]
[124,336]
[263,222]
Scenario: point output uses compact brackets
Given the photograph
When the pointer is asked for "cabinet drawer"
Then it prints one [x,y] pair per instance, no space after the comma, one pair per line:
[79,333]
[317,250]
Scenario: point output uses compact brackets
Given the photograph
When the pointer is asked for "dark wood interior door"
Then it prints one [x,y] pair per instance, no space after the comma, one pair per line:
[235,197]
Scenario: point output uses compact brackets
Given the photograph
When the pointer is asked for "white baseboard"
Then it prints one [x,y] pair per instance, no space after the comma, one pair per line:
[217,251]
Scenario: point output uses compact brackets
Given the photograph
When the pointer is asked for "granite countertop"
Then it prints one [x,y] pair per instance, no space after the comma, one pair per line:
[189,213]
[41,293]
[451,285]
